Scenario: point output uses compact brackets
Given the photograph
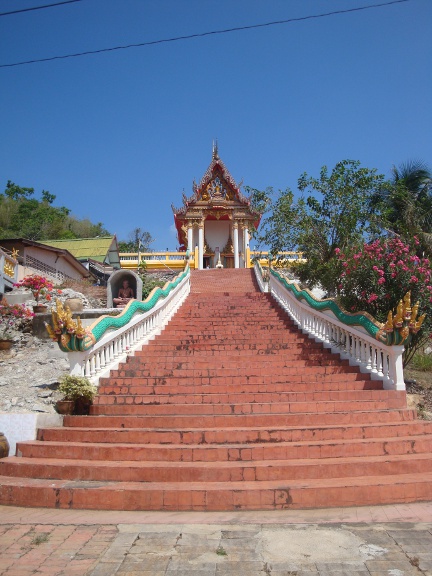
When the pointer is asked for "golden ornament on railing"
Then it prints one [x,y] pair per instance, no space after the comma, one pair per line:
[69,333]
[399,328]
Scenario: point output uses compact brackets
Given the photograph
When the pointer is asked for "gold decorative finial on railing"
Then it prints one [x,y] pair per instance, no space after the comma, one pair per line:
[400,328]
[69,333]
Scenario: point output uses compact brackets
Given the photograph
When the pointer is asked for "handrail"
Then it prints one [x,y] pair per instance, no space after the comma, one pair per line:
[94,351]
[152,256]
[262,280]
[277,261]
[353,336]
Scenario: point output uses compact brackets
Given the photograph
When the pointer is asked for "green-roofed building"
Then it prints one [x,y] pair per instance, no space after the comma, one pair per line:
[99,255]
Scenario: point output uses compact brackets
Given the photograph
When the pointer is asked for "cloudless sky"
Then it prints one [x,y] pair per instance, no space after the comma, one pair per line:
[117,136]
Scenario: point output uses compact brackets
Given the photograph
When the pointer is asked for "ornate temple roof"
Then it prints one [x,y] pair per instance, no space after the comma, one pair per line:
[216,196]
[216,168]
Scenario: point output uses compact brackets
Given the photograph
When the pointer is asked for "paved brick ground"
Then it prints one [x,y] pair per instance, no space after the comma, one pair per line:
[333,542]
[52,550]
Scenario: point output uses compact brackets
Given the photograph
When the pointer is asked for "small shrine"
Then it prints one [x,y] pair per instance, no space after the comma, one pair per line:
[216,220]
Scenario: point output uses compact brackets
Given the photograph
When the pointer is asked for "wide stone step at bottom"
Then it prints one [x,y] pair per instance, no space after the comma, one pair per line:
[239,471]
[236,420]
[210,436]
[217,496]
[229,452]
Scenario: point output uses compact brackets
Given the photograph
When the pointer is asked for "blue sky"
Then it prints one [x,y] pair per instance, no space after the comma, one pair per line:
[118,136]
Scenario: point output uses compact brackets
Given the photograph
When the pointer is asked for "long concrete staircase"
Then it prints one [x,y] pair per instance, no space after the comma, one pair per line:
[230,408]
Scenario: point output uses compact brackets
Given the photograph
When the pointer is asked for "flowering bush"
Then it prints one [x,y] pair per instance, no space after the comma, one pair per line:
[376,276]
[11,319]
[39,286]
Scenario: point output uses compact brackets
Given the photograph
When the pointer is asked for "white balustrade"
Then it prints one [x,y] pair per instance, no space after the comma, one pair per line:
[116,345]
[353,343]
[263,284]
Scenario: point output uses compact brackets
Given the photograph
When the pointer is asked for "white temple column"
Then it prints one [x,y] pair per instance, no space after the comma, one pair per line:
[235,244]
[201,246]
[190,238]
[246,244]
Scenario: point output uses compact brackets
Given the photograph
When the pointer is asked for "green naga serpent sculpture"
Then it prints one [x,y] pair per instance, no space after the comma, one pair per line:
[71,335]
[398,329]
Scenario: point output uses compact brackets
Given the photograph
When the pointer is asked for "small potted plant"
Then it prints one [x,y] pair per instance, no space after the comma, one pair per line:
[77,390]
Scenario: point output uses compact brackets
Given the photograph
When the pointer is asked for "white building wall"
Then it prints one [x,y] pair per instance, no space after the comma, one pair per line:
[48,264]
[217,233]
[241,247]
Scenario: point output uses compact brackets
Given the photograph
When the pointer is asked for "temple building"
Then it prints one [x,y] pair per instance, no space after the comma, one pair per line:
[215,222]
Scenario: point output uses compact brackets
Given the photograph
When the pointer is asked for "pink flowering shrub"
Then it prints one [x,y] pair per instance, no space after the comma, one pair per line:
[40,287]
[376,277]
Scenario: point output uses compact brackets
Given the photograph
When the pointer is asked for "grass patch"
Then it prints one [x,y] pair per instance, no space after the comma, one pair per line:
[40,539]
[220,551]
[422,362]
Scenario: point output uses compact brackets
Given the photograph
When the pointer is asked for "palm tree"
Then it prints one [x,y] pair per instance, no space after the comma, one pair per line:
[407,204]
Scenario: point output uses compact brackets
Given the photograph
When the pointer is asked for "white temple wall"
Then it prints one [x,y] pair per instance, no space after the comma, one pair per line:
[241,247]
[194,237]
[217,233]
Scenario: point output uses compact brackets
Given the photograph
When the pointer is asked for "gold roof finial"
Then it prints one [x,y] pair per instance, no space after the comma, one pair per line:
[215,153]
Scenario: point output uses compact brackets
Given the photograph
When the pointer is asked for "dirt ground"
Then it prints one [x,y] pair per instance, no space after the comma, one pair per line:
[422,388]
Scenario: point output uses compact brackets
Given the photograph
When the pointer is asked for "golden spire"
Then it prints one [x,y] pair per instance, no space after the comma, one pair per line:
[215,153]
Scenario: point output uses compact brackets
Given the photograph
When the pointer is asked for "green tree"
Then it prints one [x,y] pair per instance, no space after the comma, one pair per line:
[22,215]
[39,220]
[332,212]
[15,192]
[84,228]
[406,206]
[138,241]
[47,197]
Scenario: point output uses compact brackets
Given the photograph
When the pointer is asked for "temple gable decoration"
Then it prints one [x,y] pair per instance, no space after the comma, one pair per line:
[216,211]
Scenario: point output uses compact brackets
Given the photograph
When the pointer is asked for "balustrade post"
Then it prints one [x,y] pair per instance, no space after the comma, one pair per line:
[396,378]
[380,364]
[92,366]
[374,353]
[97,361]
[104,357]
[77,363]
[368,357]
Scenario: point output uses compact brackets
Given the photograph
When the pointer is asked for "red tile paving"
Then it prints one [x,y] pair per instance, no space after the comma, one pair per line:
[52,549]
